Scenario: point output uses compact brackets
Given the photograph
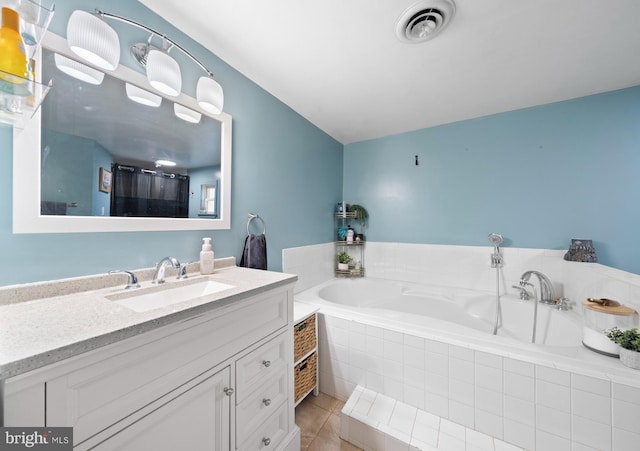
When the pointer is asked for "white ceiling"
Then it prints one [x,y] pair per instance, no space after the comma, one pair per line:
[339,63]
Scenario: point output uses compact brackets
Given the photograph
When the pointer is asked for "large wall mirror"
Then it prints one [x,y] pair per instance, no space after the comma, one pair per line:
[93,160]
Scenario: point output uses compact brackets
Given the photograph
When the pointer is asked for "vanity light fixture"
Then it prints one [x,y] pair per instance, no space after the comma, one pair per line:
[94,40]
[142,96]
[78,70]
[186,114]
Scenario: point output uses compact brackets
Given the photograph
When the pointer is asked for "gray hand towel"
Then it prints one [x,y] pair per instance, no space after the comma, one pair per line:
[254,254]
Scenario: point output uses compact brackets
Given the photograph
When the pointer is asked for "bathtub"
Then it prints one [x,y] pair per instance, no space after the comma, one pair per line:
[444,311]
[432,347]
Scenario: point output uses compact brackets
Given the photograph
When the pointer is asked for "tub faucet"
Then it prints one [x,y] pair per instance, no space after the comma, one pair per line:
[547,294]
[158,277]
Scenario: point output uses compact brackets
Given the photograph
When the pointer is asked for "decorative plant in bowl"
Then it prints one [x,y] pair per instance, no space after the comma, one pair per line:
[343,261]
[629,341]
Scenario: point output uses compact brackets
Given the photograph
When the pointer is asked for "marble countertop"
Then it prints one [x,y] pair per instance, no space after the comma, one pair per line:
[39,332]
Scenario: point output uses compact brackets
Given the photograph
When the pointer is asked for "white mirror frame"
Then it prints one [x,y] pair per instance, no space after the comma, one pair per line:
[27,174]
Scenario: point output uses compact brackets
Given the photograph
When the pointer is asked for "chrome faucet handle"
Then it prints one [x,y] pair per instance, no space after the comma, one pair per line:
[563,304]
[524,294]
[132,281]
[525,283]
[182,273]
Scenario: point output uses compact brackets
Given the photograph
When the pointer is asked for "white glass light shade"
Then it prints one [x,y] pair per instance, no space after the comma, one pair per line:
[186,114]
[78,70]
[142,96]
[93,39]
[209,95]
[163,73]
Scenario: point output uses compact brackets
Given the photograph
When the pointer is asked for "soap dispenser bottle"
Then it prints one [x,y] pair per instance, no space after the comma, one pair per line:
[206,257]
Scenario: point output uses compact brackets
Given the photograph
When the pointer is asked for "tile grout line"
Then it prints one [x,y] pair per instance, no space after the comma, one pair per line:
[331,412]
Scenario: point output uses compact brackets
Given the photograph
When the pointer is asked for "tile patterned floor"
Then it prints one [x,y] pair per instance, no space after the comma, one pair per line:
[318,418]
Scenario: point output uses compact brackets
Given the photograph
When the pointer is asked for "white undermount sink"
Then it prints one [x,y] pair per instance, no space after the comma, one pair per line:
[168,294]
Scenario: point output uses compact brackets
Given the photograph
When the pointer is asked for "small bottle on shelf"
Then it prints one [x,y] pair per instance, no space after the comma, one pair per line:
[350,234]
[13,60]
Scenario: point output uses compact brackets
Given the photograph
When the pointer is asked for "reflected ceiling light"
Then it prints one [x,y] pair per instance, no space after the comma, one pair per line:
[78,70]
[186,114]
[209,95]
[93,39]
[164,163]
[163,72]
[142,96]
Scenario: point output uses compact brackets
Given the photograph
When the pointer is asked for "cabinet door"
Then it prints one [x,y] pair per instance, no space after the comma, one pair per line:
[196,419]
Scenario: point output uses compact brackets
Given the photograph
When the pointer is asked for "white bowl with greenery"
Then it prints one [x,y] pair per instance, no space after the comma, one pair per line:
[629,341]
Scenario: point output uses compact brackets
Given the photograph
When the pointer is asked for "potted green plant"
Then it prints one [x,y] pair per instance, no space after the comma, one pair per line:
[629,341]
[343,261]
[361,215]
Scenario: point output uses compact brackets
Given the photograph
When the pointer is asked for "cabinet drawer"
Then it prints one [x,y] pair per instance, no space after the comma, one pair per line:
[304,337]
[270,433]
[261,364]
[260,405]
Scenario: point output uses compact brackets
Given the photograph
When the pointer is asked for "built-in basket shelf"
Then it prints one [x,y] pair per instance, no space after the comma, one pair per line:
[20,97]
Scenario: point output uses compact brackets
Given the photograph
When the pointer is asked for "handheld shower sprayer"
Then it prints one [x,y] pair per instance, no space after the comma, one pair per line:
[496,262]
[496,258]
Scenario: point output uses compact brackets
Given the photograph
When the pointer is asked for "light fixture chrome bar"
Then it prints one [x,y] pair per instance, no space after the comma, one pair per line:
[157,33]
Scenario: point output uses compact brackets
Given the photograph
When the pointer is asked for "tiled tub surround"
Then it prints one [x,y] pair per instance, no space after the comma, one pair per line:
[531,399]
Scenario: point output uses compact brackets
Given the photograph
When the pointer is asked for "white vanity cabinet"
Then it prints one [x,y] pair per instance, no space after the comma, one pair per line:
[197,417]
[217,381]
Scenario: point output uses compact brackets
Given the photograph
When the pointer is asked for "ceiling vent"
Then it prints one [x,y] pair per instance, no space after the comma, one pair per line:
[424,20]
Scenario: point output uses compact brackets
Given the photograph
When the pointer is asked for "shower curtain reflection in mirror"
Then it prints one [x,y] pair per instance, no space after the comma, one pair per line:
[140,192]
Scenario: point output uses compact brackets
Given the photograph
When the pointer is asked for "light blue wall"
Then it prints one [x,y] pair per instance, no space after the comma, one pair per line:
[284,169]
[539,176]
[70,173]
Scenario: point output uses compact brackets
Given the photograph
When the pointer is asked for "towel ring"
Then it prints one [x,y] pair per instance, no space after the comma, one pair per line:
[251,218]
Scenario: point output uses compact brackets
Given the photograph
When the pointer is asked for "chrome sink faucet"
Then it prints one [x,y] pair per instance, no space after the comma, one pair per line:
[158,277]
[547,293]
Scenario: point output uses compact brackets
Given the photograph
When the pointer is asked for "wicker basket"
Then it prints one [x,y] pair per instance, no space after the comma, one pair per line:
[305,376]
[304,337]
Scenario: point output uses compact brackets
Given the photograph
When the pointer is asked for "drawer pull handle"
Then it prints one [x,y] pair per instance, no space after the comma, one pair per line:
[266,401]
[266,363]
[228,391]
[266,441]
[302,327]
[303,366]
